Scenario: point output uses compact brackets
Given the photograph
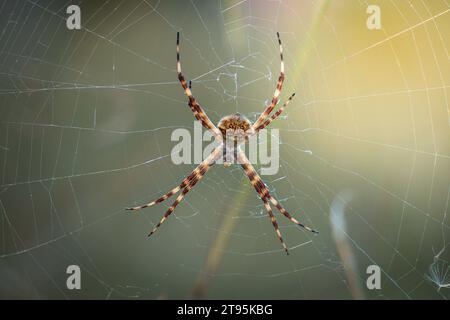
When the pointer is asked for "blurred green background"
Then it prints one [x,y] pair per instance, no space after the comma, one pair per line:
[85,123]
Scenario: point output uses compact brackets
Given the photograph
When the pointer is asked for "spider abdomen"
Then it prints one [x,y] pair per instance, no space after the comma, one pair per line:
[235,126]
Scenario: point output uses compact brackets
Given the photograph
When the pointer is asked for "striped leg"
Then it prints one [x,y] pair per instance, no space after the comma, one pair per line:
[195,107]
[276,114]
[275,224]
[195,177]
[251,175]
[260,187]
[196,114]
[287,215]
[207,162]
[199,175]
[269,109]
[167,195]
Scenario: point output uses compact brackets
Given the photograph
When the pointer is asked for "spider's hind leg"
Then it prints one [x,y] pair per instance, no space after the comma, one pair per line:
[183,184]
[263,192]
[174,205]
[287,215]
[166,196]
[275,224]
[198,173]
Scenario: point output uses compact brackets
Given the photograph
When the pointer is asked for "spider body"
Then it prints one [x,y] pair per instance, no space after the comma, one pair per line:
[236,129]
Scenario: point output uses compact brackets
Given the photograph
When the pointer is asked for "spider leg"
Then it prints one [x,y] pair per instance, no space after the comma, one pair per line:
[275,224]
[167,195]
[263,192]
[196,114]
[195,107]
[180,197]
[251,175]
[287,215]
[207,162]
[276,114]
[272,105]
[200,172]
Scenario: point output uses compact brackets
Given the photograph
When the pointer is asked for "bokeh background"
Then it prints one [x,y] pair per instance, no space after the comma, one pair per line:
[85,123]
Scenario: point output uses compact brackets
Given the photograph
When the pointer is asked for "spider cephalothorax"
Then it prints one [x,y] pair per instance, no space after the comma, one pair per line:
[235,126]
[239,128]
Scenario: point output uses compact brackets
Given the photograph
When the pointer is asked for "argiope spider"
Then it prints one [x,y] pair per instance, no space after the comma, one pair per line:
[237,129]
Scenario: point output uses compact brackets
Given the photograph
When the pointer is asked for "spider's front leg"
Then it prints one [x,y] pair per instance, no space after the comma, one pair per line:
[277,92]
[276,114]
[198,111]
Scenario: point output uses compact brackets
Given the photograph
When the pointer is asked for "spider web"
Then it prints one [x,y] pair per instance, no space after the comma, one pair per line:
[85,123]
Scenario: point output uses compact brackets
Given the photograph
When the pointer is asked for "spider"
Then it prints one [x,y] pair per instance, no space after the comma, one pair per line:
[231,131]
